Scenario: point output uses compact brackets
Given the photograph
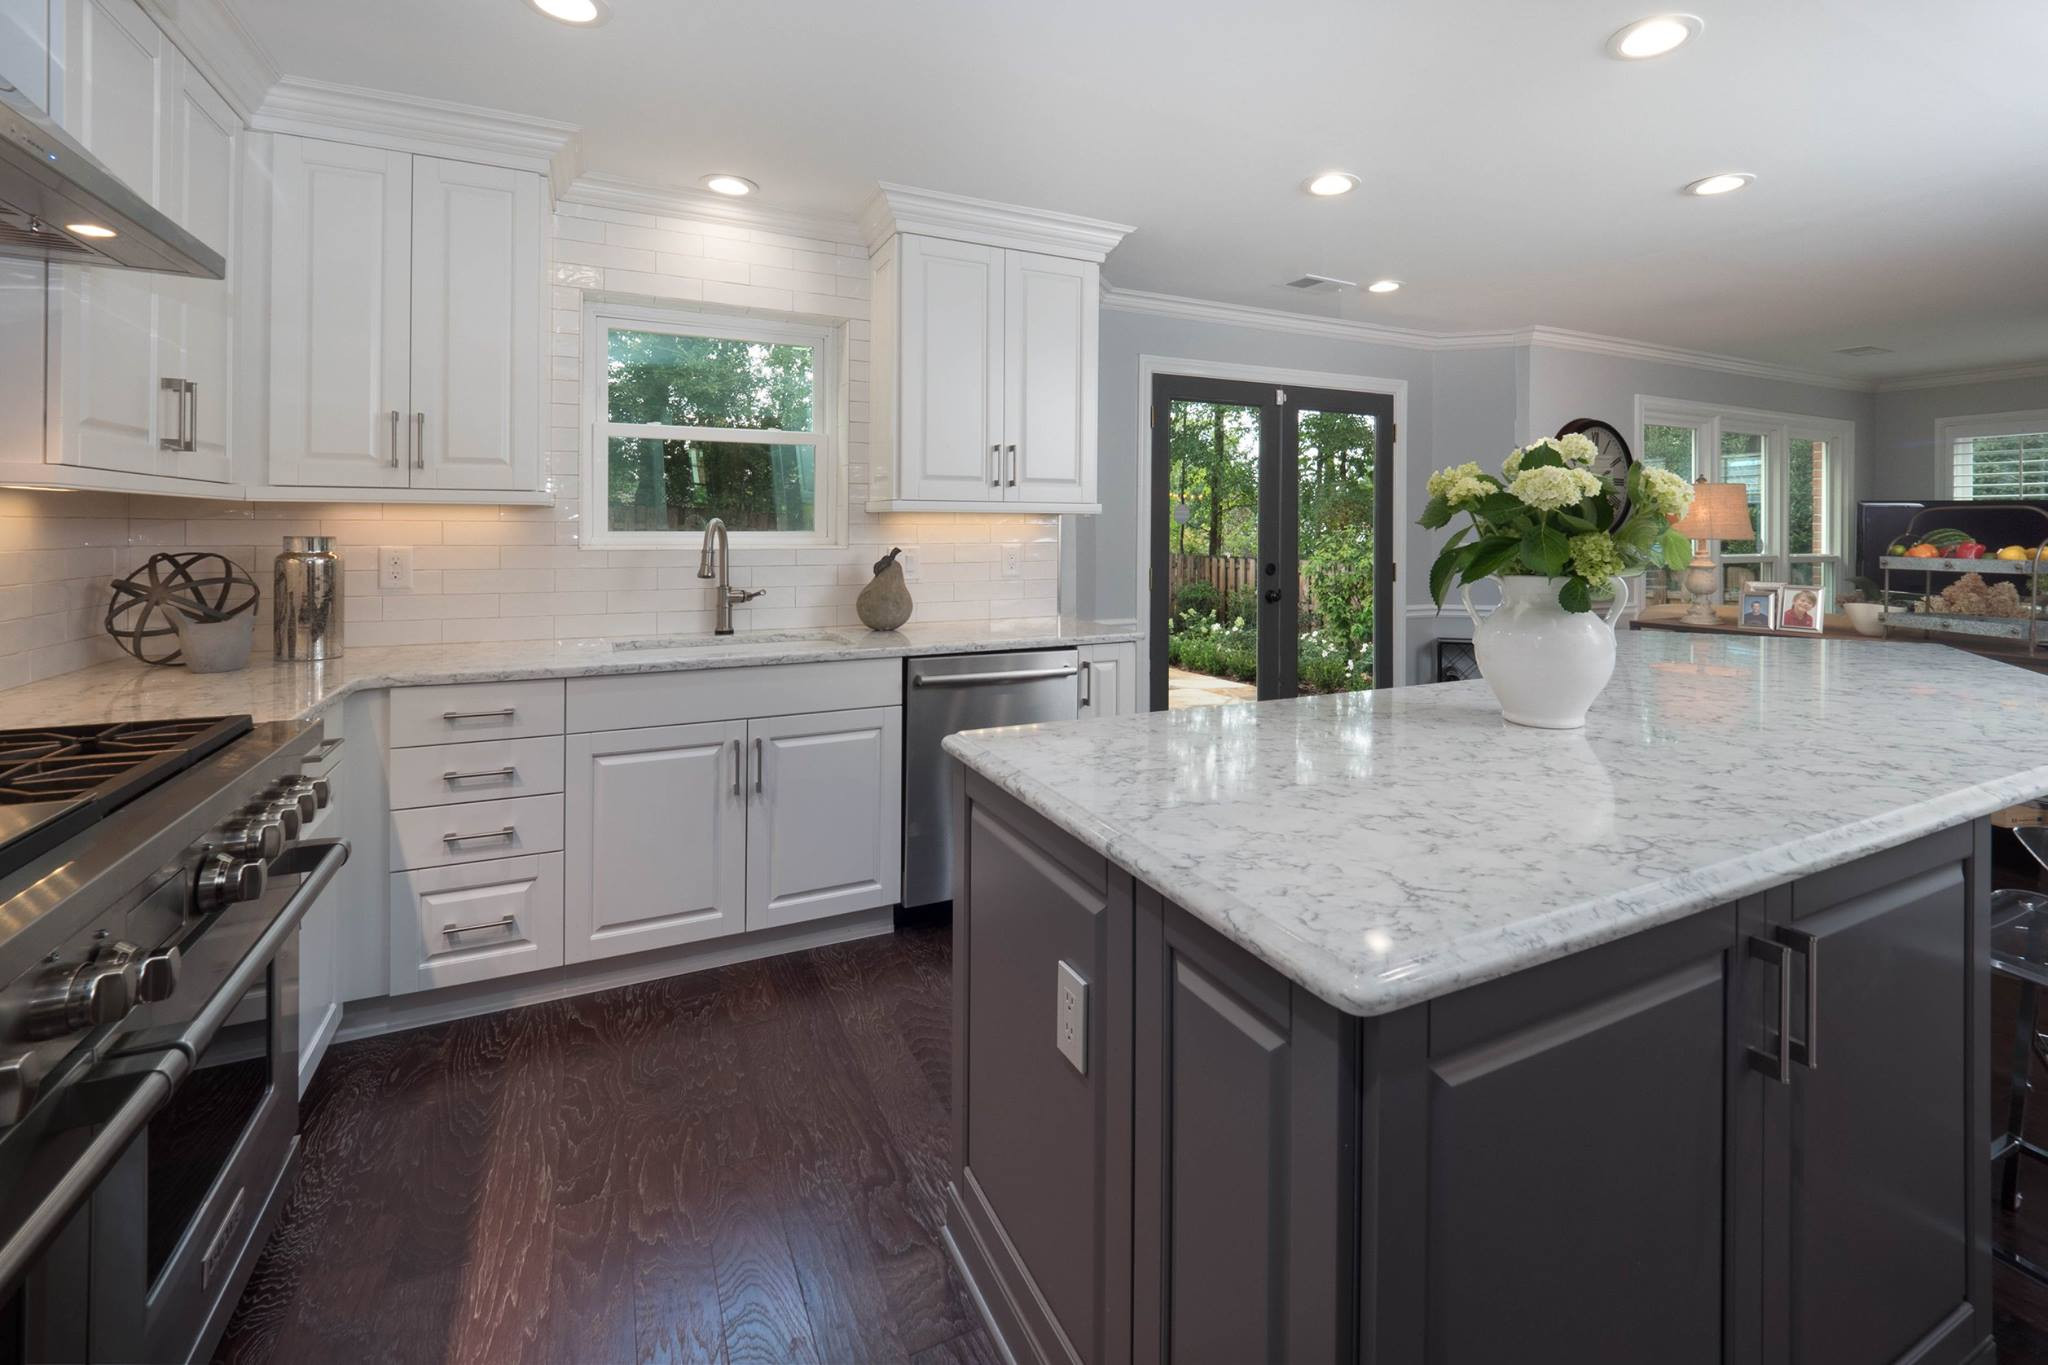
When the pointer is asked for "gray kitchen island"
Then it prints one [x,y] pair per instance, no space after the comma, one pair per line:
[1371,1028]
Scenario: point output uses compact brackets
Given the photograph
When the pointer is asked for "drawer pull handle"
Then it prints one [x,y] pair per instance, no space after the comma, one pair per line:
[502,713]
[509,833]
[508,772]
[451,930]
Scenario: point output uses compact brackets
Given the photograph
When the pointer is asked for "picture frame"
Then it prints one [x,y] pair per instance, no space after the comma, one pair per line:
[1802,608]
[1758,607]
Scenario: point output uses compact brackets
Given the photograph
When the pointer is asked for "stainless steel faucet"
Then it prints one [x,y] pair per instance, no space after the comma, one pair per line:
[715,561]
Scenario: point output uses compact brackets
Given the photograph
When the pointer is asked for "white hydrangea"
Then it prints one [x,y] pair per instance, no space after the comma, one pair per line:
[1576,449]
[1459,484]
[1552,488]
[1665,493]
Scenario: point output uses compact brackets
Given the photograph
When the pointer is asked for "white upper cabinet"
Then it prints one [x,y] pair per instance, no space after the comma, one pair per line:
[195,335]
[30,31]
[983,367]
[405,321]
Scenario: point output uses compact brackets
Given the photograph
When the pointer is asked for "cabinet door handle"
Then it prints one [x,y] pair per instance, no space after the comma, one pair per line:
[192,406]
[1087,683]
[1806,1051]
[510,834]
[451,930]
[1013,466]
[1776,1064]
[419,445]
[995,466]
[506,712]
[175,442]
[737,764]
[478,775]
[760,766]
[394,438]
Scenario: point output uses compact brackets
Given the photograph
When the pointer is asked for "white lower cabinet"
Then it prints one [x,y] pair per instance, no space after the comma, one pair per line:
[455,925]
[657,838]
[1109,680]
[825,832]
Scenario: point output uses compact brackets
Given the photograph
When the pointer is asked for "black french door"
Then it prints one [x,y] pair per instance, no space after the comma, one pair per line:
[1272,540]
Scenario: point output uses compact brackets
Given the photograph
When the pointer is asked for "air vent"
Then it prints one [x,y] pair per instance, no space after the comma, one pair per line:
[18,239]
[1865,350]
[1328,284]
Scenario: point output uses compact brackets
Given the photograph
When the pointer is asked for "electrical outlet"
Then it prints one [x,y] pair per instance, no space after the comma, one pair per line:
[1071,1018]
[913,571]
[394,568]
[1013,559]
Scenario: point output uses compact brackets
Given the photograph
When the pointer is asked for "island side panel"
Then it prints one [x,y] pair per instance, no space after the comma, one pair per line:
[1040,1204]
[1244,1200]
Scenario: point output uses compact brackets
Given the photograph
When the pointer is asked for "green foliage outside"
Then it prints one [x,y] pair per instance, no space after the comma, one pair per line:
[677,484]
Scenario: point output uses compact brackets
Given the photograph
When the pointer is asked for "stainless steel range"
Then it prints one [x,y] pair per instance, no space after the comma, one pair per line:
[152,879]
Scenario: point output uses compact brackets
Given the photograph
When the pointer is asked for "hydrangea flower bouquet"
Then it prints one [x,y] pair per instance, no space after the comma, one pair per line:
[1548,514]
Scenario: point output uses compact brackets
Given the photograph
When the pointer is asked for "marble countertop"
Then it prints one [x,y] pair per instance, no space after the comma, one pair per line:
[1383,849]
[269,690]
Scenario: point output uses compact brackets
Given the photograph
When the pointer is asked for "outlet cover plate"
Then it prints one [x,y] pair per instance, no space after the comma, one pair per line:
[394,568]
[1070,1022]
[1013,559]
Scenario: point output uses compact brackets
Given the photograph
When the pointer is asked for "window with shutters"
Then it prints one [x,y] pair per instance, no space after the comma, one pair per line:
[1995,457]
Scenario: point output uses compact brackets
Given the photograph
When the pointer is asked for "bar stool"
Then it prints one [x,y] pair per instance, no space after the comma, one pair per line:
[2019,949]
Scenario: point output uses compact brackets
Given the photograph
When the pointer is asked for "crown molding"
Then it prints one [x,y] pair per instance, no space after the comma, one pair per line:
[899,208]
[213,36]
[1559,338]
[412,123]
[628,196]
[1268,319]
[1991,375]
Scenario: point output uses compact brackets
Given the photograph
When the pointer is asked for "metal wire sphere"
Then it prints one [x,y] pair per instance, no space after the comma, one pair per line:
[206,587]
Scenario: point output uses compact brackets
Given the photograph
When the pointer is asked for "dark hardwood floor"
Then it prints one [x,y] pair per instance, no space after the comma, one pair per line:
[739,1165]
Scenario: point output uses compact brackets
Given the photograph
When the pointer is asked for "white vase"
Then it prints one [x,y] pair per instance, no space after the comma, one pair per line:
[1546,665]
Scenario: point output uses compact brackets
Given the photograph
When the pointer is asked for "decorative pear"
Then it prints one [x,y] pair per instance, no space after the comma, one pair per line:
[884,604]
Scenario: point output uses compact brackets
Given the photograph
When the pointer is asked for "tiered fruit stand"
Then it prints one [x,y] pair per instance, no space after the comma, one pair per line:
[2027,575]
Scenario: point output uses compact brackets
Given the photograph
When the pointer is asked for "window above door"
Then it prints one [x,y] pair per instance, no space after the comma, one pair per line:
[698,415]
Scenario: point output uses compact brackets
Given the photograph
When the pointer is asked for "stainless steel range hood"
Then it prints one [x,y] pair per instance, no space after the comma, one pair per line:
[49,183]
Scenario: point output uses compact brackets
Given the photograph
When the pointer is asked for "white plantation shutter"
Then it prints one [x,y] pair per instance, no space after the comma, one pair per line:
[2005,465]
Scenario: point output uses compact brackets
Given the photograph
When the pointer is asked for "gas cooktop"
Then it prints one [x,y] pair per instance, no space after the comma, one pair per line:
[56,782]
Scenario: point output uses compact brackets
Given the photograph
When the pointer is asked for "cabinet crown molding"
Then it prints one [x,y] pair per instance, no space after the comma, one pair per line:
[411,123]
[930,213]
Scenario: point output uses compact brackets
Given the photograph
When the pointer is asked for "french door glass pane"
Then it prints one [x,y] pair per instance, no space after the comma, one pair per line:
[1742,461]
[1212,497]
[1337,461]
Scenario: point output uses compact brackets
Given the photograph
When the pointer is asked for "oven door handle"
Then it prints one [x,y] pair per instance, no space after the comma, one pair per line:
[319,860]
[76,1185]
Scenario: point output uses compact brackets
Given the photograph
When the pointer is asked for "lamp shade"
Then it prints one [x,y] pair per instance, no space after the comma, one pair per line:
[1719,511]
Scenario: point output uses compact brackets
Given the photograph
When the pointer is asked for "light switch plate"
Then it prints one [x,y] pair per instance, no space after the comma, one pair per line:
[912,571]
[394,568]
[1013,559]
[1071,1018]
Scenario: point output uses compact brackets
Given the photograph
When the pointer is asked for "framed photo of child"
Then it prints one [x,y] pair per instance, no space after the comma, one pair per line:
[1802,607]
[1759,608]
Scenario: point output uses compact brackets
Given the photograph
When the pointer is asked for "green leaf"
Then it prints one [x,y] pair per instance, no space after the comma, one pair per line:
[1602,510]
[1572,521]
[1639,534]
[1677,550]
[1488,557]
[1542,458]
[1575,595]
[1447,561]
[1502,507]
[1436,515]
[1545,550]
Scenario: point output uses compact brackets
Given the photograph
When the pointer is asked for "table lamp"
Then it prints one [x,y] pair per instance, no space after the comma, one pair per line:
[1719,511]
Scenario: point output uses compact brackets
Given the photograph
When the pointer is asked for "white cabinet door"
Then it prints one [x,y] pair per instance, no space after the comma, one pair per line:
[825,836]
[1050,319]
[340,323]
[26,28]
[109,410]
[1109,680]
[24,315]
[194,337]
[951,358]
[656,842]
[477,276]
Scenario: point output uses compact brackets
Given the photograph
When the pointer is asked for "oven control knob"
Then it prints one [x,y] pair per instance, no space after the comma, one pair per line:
[303,798]
[314,786]
[96,991]
[285,812]
[226,880]
[260,838]
[158,977]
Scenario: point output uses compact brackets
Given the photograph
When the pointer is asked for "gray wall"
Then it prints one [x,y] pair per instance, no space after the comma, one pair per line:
[1904,465]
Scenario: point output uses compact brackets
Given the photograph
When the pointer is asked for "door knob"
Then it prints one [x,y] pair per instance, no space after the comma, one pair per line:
[1272,594]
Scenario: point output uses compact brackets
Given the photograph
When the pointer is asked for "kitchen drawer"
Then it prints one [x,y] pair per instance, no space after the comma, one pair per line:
[485,770]
[434,836]
[466,711]
[477,922]
[632,700]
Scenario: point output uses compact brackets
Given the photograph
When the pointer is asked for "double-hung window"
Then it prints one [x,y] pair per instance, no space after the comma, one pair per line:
[1997,457]
[1796,472]
[698,416]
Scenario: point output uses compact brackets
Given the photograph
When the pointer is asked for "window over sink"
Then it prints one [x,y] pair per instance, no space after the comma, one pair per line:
[699,415]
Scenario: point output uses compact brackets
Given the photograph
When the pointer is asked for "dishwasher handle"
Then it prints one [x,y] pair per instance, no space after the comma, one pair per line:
[1008,675]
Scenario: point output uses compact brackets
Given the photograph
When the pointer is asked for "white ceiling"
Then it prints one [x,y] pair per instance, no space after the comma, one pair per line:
[1514,175]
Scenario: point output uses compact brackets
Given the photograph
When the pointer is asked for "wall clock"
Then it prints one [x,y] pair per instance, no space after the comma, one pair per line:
[1611,460]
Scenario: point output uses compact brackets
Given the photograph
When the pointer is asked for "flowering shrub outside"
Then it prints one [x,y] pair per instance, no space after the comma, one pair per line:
[1199,643]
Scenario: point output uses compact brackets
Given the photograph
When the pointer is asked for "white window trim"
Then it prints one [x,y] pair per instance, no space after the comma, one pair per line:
[1949,430]
[1779,430]
[827,437]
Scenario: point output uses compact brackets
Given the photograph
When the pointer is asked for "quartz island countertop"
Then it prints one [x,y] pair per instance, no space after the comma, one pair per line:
[1383,849]
[269,690]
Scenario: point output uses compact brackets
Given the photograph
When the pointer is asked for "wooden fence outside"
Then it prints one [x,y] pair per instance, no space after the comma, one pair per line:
[1225,573]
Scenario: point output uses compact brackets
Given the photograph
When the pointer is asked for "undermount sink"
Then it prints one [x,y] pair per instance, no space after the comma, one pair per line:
[746,639]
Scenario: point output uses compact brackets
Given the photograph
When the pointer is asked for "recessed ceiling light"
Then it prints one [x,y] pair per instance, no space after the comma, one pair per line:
[93,230]
[734,185]
[1726,183]
[579,12]
[1382,286]
[1653,37]
[1331,183]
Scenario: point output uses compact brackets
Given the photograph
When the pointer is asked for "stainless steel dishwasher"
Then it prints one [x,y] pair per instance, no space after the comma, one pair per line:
[951,692]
